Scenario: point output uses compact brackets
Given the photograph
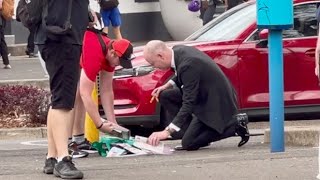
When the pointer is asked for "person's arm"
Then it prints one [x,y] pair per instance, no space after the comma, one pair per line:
[190,78]
[173,81]
[95,18]
[1,5]
[86,87]
[226,4]
[107,96]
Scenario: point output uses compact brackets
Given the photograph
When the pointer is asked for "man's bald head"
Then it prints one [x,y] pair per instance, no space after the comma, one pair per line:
[158,54]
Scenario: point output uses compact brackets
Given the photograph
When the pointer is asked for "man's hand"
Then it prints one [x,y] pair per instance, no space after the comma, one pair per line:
[95,19]
[316,71]
[107,127]
[155,138]
[155,93]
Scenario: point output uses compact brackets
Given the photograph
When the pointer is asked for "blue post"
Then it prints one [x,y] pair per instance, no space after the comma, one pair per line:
[275,15]
[276,91]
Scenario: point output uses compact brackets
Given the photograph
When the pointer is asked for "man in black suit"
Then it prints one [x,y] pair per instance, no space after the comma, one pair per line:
[203,104]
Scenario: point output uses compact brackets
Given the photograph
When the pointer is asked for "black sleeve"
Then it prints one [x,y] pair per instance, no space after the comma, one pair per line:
[174,78]
[190,78]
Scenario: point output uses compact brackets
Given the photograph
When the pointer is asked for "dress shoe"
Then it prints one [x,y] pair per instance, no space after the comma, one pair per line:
[180,148]
[243,132]
[242,128]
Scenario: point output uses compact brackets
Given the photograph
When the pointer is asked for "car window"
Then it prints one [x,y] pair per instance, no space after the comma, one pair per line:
[305,22]
[228,26]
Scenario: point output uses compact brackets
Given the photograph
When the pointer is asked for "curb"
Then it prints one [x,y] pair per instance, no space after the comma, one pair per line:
[41,83]
[298,136]
[17,49]
[23,133]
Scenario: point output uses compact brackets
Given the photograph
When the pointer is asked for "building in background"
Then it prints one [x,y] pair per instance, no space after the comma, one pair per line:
[142,20]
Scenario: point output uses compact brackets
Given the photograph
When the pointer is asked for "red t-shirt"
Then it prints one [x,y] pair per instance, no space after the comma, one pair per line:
[92,59]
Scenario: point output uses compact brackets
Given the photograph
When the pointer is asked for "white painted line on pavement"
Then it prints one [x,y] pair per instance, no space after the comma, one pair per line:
[35,143]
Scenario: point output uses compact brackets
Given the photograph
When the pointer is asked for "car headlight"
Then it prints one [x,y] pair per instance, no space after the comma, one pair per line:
[133,72]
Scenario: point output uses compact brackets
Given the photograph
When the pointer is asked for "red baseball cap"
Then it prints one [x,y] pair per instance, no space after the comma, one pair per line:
[124,50]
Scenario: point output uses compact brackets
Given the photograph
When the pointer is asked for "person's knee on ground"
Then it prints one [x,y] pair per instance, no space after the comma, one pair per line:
[189,145]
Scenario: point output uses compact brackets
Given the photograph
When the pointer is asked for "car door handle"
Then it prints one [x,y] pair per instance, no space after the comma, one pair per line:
[310,52]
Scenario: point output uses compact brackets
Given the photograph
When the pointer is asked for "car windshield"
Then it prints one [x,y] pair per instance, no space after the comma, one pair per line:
[228,26]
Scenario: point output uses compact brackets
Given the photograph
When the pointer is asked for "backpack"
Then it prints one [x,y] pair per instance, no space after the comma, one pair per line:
[7,9]
[29,12]
[108,4]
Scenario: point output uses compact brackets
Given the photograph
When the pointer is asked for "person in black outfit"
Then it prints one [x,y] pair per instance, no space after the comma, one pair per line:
[61,53]
[30,45]
[207,11]
[232,3]
[199,97]
[3,44]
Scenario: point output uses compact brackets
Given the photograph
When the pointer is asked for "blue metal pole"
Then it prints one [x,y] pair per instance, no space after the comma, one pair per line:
[276,91]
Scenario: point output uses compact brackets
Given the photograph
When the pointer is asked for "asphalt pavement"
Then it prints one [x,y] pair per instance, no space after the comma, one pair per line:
[222,160]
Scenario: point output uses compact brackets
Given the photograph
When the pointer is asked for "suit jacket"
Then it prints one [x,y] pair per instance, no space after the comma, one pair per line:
[206,91]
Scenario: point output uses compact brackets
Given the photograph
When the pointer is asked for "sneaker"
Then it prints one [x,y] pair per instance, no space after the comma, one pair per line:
[75,152]
[87,147]
[7,66]
[32,55]
[67,170]
[49,165]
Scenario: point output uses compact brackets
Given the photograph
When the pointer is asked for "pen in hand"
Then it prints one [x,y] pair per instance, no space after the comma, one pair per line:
[152,98]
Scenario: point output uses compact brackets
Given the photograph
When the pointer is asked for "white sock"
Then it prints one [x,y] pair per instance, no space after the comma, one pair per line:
[78,138]
[59,159]
[50,157]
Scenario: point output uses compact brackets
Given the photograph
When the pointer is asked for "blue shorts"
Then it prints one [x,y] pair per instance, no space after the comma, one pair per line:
[111,15]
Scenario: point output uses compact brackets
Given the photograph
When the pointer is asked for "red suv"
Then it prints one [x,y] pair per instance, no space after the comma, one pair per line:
[241,50]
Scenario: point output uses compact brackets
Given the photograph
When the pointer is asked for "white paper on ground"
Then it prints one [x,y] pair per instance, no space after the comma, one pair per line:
[132,149]
[141,142]
[116,152]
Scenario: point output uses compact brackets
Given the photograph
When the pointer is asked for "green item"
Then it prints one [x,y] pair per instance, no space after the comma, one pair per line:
[105,142]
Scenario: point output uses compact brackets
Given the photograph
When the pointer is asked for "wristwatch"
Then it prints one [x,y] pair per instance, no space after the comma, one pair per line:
[170,130]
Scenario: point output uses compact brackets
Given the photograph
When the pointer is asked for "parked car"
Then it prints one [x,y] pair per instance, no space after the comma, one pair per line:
[241,50]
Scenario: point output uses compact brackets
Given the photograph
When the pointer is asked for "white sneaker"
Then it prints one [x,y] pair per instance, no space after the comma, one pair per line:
[7,66]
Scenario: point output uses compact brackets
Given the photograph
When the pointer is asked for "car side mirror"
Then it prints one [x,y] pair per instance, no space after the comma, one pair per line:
[263,35]
[263,39]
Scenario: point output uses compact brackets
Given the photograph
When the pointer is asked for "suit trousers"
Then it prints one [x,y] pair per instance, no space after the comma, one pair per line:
[194,133]
[3,46]
[207,14]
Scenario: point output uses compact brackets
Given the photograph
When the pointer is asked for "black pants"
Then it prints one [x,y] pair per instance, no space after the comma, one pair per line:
[207,14]
[3,46]
[194,133]
[30,46]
